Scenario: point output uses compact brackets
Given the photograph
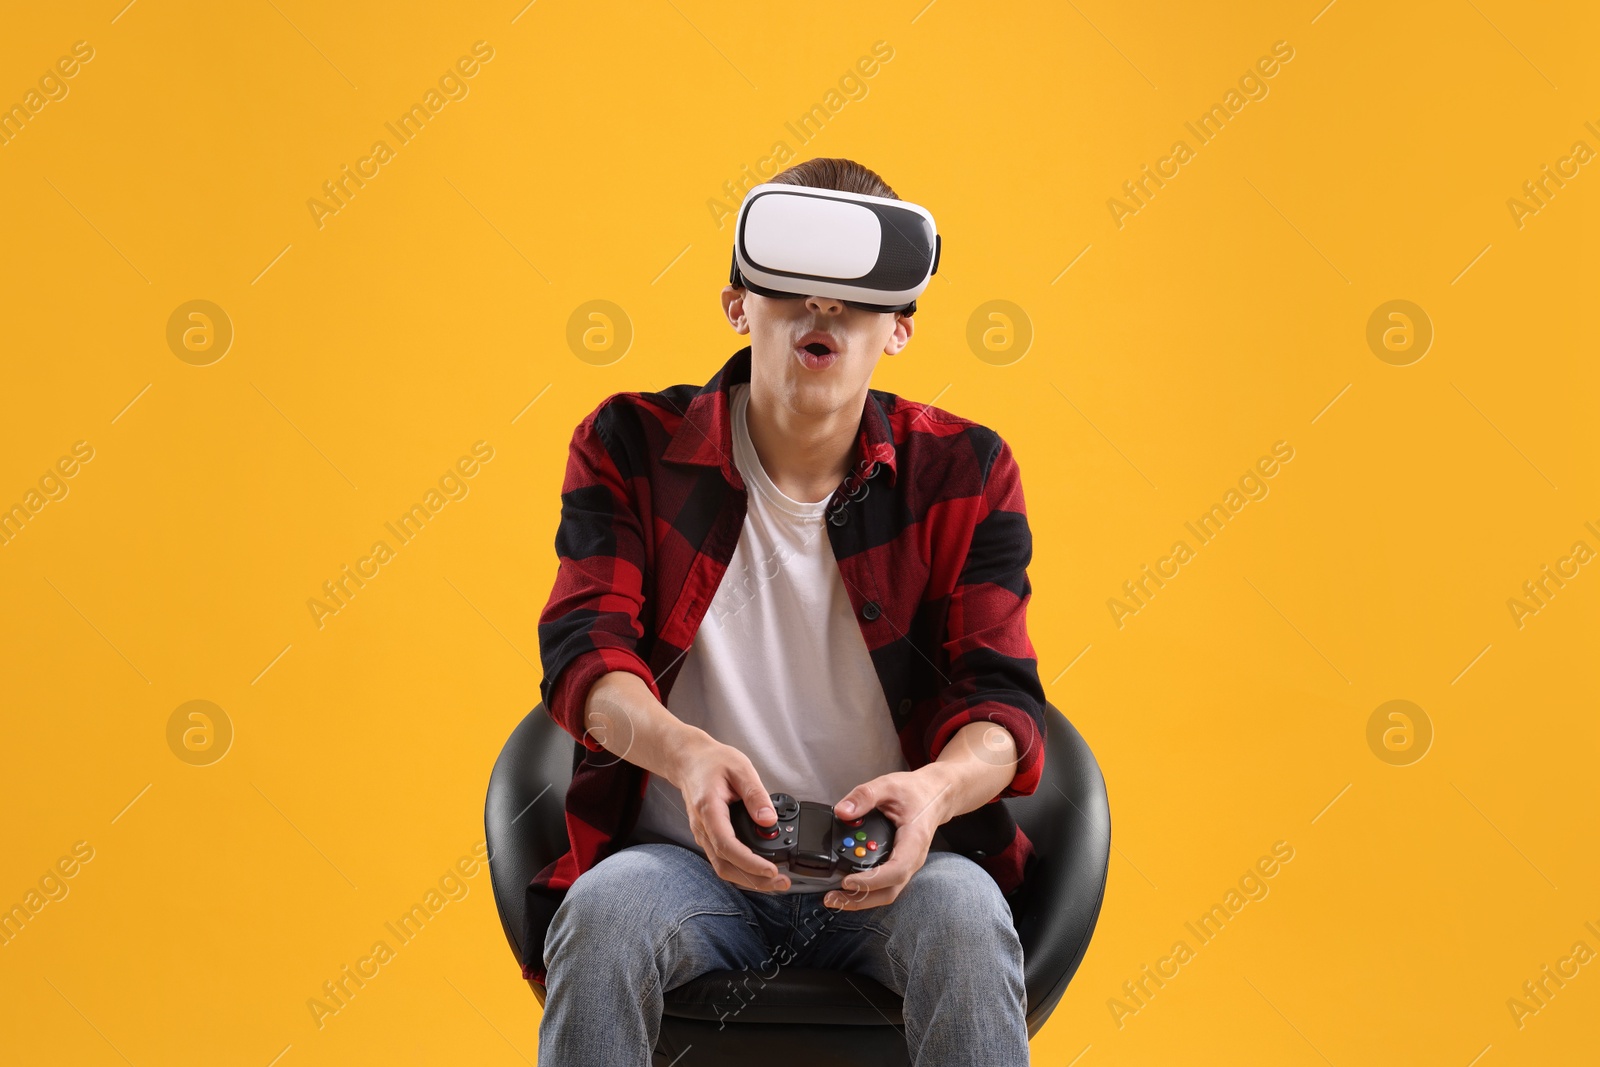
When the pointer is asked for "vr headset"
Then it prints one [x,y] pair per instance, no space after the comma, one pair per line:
[872,252]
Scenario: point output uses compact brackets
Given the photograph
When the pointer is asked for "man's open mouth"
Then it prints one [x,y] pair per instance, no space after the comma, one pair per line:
[818,343]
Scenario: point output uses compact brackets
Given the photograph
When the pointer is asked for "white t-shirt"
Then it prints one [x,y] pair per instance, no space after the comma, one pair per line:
[778,668]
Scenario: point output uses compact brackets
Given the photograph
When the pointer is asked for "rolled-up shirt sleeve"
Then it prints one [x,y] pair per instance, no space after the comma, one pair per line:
[591,624]
[994,673]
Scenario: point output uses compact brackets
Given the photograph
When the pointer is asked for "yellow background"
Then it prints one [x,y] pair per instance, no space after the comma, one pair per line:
[432,309]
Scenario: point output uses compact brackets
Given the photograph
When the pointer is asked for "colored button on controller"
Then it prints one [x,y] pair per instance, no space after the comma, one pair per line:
[860,851]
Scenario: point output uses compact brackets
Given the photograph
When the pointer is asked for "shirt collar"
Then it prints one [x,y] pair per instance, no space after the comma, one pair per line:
[705,437]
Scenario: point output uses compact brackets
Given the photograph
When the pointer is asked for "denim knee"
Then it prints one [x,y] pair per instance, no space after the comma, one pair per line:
[953,905]
[609,912]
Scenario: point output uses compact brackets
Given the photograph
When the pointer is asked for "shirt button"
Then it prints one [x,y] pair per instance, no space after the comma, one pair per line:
[838,517]
[869,610]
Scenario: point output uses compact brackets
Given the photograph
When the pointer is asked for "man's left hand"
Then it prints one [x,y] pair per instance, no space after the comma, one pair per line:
[917,803]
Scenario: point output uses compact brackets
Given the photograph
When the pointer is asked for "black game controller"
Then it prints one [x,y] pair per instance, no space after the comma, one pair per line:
[810,842]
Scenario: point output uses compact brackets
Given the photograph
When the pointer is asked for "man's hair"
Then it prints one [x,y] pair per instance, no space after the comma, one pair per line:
[840,175]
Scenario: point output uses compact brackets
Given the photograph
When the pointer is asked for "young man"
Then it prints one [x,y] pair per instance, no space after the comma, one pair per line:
[786,581]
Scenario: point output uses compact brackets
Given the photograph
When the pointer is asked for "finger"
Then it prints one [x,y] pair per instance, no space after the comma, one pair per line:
[858,901]
[862,798]
[729,872]
[757,801]
[727,847]
[910,852]
[714,853]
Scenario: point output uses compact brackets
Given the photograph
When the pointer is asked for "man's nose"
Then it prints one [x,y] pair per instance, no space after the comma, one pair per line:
[828,304]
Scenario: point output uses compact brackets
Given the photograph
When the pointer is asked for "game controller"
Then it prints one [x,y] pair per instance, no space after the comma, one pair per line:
[810,842]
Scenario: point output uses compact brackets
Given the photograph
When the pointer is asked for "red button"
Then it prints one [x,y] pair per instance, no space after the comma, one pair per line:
[857,822]
[872,846]
[766,833]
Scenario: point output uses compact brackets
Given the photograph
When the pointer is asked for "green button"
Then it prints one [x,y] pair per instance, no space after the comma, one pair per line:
[861,835]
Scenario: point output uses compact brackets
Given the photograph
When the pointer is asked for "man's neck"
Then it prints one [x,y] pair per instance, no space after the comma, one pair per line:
[806,456]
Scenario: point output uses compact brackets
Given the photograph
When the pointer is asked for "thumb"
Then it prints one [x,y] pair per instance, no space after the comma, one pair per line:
[756,801]
[863,798]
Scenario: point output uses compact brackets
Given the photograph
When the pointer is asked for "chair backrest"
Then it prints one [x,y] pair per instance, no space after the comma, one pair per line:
[525,814]
[1067,819]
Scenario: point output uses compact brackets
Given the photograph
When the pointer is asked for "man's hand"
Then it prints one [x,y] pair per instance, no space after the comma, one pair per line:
[972,769]
[913,801]
[709,774]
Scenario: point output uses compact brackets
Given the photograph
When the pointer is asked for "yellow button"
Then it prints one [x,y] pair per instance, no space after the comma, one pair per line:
[860,851]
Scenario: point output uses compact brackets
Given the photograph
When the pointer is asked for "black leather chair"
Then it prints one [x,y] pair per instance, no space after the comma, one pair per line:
[822,1016]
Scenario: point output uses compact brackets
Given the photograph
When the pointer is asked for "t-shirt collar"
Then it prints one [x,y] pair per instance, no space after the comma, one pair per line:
[705,437]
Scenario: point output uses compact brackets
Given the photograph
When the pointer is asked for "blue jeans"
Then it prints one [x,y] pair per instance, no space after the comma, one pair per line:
[651,917]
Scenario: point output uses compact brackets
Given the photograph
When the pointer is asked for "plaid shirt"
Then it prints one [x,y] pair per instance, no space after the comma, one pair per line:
[931,538]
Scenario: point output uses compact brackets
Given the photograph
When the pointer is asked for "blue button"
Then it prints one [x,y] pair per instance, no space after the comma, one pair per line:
[848,842]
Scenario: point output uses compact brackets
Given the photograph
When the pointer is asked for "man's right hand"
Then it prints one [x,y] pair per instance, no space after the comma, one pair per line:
[710,775]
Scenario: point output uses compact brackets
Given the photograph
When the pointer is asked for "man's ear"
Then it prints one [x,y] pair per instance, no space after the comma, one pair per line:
[733,308]
[904,326]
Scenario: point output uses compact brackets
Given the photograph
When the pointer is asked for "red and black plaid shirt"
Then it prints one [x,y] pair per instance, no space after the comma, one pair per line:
[931,538]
